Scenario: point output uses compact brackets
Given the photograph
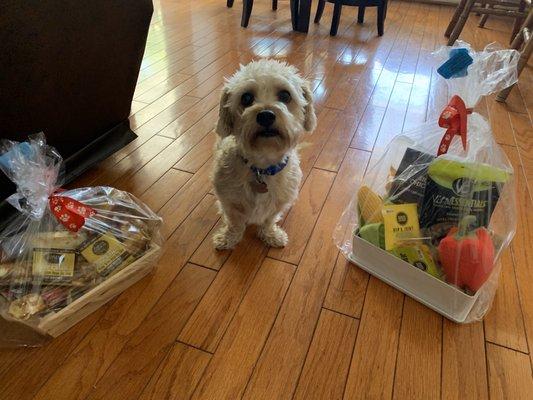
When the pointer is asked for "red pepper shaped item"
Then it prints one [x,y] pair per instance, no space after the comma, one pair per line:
[467,257]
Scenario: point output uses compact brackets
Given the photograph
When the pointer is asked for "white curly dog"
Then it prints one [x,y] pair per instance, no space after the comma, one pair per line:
[264,108]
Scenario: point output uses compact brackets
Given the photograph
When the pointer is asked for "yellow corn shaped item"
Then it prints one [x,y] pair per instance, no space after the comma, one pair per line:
[370,205]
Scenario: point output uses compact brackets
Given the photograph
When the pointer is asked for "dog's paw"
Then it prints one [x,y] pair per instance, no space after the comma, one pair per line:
[274,236]
[224,240]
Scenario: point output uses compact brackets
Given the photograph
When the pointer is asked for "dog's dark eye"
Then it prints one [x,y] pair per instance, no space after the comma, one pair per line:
[284,96]
[247,99]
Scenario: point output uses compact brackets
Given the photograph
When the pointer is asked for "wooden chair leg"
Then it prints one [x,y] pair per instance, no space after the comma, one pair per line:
[484,17]
[516,27]
[361,15]
[461,22]
[381,19]
[319,10]
[386,6]
[455,17]
[229,3]
[336,18]
[502,96]
[482,4]
[483,20]
[518,21]
[274,5]
[247,6]
[524,55]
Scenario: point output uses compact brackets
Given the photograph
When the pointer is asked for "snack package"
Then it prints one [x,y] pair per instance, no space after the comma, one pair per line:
[436,209]
[65,253]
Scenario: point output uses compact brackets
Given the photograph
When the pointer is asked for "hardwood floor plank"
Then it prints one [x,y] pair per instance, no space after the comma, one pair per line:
[207,325]
[206,254]
[326,367]
[291,335]
[374,358]
[464,372]
[185,200]
[146,349]
[159,114]
[418,368]
[205,111]
[302,217]
[178,375]
[193,79]
[394,115]
[198,155]
[128,165]
[331,156]
[374,55]
[147,95]
[149,79]
[521,248]
[347,289]
[24,371]
[509,374]
[230,368]
[411,57]
[136,106]
[416,112]
[504,324]
[169,98]
[97,351]
[160,192]
[215,81]
[157,167]
[367,131]
[312,145]
[500,122]
[523,133]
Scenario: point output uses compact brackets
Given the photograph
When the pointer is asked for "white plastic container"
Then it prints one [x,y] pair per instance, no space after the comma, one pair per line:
[423,287]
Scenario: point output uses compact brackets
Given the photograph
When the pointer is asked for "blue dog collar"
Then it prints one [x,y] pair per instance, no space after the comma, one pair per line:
[270,170]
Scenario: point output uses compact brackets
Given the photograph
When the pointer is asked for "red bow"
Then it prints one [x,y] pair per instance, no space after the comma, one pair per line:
[453,117]
[71,213]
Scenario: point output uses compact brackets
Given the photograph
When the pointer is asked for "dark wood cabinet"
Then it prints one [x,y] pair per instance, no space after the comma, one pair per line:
[69,68]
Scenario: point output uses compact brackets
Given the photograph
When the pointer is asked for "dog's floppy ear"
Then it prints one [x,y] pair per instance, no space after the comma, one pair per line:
[309,110]
[225,120]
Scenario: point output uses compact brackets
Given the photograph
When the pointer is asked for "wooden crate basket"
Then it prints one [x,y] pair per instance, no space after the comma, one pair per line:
[56,323]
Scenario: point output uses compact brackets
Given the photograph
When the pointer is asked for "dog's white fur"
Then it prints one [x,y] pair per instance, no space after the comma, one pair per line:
[239,204]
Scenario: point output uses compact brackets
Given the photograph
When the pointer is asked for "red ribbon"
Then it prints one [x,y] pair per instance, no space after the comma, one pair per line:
[453,117]
[71,213]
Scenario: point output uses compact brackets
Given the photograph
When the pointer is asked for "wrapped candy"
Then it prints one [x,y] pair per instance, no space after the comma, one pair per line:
[65,252]
[434,213]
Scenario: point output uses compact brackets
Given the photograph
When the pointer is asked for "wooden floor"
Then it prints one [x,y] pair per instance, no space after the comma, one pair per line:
[301,322]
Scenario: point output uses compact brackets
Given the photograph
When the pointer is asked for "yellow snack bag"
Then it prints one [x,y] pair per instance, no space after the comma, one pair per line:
[401,222]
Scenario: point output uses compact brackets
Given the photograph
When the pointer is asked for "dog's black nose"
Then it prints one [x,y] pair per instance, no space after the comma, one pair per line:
[266,118]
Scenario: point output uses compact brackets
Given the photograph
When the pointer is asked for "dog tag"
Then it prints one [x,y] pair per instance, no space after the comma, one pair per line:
[259,187]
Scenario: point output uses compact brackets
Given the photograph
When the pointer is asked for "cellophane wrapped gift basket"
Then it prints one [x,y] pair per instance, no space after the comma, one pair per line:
[65,253]
[434,213]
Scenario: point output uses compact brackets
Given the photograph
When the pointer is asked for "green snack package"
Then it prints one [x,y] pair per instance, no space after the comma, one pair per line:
[373,233]
[419,255]
[455,189]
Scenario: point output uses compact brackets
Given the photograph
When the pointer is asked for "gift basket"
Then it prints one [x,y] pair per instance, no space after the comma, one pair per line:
[433,214]
[65,253]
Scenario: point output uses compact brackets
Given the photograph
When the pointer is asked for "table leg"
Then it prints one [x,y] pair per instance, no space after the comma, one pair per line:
[294,5]
[304,15]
